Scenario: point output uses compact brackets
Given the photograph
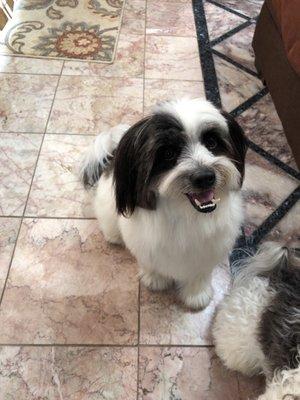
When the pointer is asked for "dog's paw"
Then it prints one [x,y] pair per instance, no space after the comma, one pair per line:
[196,301]
[155,281]
[114,239]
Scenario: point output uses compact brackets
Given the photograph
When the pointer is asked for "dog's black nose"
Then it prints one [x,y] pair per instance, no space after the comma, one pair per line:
[204,178]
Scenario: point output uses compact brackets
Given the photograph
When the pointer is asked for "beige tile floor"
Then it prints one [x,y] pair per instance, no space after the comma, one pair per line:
[74,322]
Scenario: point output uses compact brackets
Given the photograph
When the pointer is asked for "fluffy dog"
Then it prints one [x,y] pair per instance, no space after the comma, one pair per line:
[257,328]
[169,188]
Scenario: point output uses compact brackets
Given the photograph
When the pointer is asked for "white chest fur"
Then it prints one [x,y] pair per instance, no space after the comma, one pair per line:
[177,241]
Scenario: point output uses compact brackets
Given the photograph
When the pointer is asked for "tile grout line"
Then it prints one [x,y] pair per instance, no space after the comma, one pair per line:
[48,217]
[139,339]
[180,36]
[50,133]
[136,77]
[139,282]
[144,61]
[10,263]
[22,133]
[28,73]
[97,345]
[197,346]
[107,77]
[43,138]
[29,189]
[238,385]
[164,34]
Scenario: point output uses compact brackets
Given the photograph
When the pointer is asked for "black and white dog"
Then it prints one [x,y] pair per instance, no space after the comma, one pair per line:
[169,188]
[257,328]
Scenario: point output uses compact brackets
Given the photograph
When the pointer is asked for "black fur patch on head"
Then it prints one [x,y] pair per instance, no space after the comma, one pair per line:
[279,329]
[238,145]
[148,149]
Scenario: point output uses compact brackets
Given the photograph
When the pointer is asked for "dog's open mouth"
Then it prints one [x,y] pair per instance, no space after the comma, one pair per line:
[204,202]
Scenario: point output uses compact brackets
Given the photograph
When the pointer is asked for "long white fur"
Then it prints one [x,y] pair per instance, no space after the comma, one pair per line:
[236,325]
[175,242]
[285,385]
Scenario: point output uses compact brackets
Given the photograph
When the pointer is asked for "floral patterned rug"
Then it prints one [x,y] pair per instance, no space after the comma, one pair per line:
[64,29]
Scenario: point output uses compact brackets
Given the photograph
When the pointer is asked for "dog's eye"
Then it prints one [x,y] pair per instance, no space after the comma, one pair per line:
[169,154]
[211,143]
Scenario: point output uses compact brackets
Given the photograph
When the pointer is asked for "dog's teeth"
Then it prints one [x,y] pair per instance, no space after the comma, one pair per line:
[197,203]
[205,206]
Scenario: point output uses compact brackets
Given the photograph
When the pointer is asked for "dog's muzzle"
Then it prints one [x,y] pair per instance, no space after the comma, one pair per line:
[204,202]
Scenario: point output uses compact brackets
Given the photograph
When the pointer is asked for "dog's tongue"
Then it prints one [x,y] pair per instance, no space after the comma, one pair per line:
[204,197]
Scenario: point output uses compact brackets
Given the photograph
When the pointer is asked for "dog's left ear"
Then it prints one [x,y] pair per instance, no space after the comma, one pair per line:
[238,143]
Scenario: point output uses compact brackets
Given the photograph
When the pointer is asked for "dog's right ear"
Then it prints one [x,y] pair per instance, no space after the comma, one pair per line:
[132,168]
[238,143]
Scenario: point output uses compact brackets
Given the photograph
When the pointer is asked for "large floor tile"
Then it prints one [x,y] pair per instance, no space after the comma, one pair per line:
[25,65]
[67,285]
[9,228]
[170,19]
[56,189]
[235,85]
[164,320]
[239,47]
[18,156]
[88,104]
[129,61]
[220,21]
[67,373]
[264,189]
[184,373]
[263,126]
[25,102]
[172,57]
[133,21]
[157,90]
[250,8]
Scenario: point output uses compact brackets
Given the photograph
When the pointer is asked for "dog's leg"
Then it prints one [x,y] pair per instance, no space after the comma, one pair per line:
[105,210]
[196,294]
[111,231]
[154,281]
